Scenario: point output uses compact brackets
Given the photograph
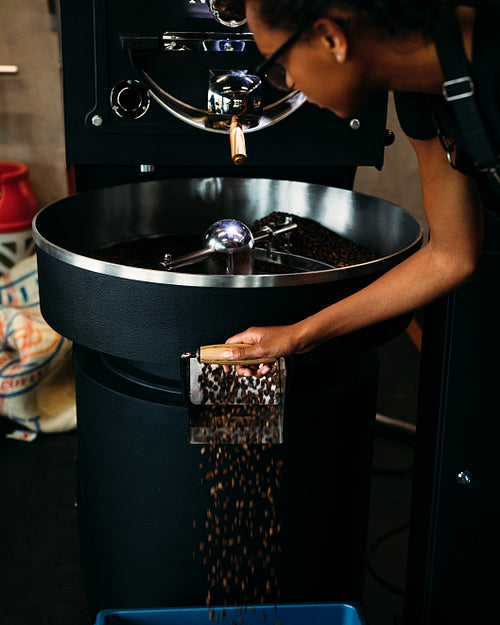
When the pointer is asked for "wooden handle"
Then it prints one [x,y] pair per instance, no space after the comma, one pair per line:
[237,141]
[211,354]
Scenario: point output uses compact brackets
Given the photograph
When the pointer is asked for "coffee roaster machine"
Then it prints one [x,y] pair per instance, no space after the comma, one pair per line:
[144,99]
[161,110]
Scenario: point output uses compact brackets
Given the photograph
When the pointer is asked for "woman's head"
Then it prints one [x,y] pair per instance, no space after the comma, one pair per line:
[389,17]
[349,48]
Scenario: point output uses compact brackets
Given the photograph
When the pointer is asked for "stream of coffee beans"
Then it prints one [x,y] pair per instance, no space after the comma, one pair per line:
[242,528]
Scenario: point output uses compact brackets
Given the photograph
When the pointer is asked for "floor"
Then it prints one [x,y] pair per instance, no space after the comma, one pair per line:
[40,578]
[391,485]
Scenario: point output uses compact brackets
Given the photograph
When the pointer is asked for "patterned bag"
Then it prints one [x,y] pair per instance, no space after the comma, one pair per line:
[36,369]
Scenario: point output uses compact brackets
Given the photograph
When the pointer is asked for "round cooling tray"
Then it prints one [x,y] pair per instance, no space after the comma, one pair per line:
[155,315]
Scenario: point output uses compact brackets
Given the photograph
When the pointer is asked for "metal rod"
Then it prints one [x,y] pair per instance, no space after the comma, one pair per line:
[396,424]
[273,232]
[186,259]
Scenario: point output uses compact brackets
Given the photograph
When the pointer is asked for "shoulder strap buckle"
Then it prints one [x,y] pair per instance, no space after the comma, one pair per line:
[458,88]
[493,171]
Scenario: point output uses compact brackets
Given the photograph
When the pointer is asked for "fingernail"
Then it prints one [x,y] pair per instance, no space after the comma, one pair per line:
[227,354]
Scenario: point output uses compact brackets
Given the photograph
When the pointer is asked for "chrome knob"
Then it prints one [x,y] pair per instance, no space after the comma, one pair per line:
[229,235]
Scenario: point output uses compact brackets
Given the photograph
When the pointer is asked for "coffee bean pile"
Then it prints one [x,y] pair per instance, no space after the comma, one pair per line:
[241,528]
[309,239]
[313,240]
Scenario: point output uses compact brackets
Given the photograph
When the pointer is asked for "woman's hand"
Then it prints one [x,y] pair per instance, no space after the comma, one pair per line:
[271,341]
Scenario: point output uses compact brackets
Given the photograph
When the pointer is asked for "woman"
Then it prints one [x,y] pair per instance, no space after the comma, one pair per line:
[339,53]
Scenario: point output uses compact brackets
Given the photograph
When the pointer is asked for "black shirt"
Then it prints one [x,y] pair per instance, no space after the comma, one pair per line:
[422,115]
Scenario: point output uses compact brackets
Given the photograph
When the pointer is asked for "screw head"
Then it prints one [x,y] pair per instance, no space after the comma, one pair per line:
[355,124]
[464,478]
[389,136]
[96,120]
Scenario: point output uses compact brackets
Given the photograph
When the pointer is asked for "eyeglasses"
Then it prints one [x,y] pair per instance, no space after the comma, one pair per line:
[271,70]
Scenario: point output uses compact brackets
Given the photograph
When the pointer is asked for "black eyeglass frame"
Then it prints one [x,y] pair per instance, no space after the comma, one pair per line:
[262,69]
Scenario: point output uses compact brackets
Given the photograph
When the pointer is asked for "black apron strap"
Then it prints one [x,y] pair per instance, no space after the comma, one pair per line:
[459,92]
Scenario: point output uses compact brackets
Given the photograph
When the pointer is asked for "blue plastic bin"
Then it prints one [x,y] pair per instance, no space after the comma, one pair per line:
[300,614]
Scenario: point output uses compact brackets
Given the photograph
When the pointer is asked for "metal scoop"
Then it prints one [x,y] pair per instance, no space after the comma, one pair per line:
[226,235]
[231,237]
[226,408]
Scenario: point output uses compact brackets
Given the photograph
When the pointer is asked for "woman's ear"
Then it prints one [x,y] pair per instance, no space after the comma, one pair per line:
[333,37]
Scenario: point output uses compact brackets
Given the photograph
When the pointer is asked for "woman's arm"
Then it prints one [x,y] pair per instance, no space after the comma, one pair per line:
[449,259]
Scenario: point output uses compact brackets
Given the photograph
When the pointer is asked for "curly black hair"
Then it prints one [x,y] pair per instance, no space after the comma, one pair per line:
[427,17]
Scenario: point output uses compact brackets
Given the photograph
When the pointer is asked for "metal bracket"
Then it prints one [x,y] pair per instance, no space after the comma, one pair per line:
[189,41]
[206,42]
